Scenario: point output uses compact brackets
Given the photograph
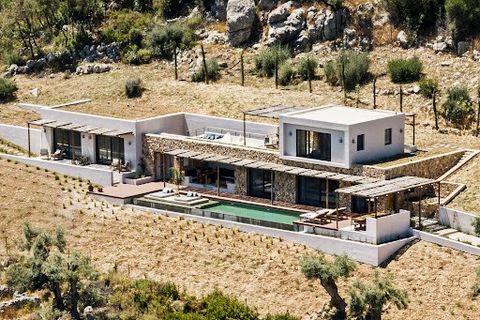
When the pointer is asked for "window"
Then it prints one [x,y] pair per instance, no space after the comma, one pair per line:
[67,141]
[109,148]
[388,136]
[359,205]
[315,145]
[360,142]
[260,183]
[313,192]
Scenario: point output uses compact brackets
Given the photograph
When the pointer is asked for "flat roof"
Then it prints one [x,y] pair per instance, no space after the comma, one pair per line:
[341,114]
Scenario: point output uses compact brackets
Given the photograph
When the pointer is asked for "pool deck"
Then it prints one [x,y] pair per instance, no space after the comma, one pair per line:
[126,191]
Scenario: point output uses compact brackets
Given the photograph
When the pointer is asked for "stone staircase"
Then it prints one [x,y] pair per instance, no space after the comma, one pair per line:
[467,156]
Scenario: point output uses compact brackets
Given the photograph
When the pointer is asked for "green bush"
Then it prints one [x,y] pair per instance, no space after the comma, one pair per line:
[133,88]
[415,14]
[170,9]
[144,56]
[135,37]
[307,66]
[284,316]
[476,226]
[212,69]
[265,60]
[135,56]
[464,15]
[221,307]
[15,58]
[125,25]
[458,108]
[165,38]
[285,74]
[405,70]
[7,89]
[428,87]
[351,64]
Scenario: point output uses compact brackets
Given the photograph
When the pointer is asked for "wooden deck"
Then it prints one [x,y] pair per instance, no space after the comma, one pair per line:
[125,191]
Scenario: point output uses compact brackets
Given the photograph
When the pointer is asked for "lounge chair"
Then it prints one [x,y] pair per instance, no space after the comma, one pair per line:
[44,154]
[57,155]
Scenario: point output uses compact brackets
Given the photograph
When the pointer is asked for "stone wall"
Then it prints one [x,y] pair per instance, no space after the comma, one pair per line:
[241,181]
[285,187]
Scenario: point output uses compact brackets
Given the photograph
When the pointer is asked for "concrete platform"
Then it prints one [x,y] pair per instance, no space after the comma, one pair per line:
[124,193]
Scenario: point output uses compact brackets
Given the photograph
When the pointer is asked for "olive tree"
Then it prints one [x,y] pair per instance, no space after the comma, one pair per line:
[368,300]
[318,267]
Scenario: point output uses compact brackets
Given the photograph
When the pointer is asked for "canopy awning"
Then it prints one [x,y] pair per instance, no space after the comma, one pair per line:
[79,127]
[264,165]
[273,111]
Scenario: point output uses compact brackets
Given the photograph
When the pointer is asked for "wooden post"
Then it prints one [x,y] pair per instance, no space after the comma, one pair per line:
[205,69]
[435,114]
[326,193]
[439,197]
[401,98]
[375,92]
[336,209]
[242,68]
[369,205]
[478,116]
[309,76]
[271,188]
[28,132]
[420,207]
[175,61]
[164,173]
[218,180]
[375,206]
[343,80]
[276,69]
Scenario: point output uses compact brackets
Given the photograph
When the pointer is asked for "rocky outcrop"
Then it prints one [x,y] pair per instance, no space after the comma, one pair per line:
[284,31]
[267,4]
[240,18]
[18,301]
[219,9]
[402,39]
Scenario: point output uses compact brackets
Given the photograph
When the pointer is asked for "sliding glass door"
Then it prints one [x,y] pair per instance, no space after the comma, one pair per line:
[68,142]
[109,148]
[260,183]
[315,145]
[313,192]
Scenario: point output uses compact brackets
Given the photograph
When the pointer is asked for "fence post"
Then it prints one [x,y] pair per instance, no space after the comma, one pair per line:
[309,75]
[435,109]
[375,92]
[175,61]
[401,98]
[276,69]
[242,68]
[478,116]
[205,69]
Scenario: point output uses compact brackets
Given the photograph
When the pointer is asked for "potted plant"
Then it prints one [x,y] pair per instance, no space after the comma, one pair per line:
[178,176]
[90,188]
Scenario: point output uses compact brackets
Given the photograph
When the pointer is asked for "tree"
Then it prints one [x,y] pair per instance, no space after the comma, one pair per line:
[464,15]
[178,176]
[368,300]
[46,266]
[458,107]
[318,267]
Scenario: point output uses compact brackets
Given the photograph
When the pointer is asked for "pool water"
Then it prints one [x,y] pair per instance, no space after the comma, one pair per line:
[255,212]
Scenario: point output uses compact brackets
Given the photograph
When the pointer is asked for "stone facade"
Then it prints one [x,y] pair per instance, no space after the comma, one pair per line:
[285,187]
[241,181]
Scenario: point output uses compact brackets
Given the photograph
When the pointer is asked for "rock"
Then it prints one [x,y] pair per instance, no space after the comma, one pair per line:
[285,32]
[12,70]
[462,47]
[267,4]
[446,63]
[240,17]
[302,43]
[40,64]
[51,58]
[402,39]
[440,46]
[23,70]
[219,9]
[215,37]
[30,64]
[333,24]
[35,92]
[280,14]
[88,313]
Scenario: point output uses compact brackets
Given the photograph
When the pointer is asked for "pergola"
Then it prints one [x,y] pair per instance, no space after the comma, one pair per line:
[374,190]
[272,112]
[256,164]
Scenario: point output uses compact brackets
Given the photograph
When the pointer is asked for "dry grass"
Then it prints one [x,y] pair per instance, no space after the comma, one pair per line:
[261,270]
[468,200]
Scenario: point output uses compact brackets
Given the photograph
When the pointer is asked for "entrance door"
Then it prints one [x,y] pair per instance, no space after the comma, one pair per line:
[67,141]
[109,148]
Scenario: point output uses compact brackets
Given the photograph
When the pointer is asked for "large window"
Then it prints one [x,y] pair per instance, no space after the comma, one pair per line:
[68,142]
[360,142]
[315,145]
[313,192]
[260,183]
[359,205]
[109,148]
[388,136]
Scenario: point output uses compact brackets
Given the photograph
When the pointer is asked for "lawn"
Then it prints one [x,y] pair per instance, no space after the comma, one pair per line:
[261,270]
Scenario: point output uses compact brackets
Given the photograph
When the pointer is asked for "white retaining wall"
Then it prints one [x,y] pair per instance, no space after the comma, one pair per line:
[362,252]
[446,242]
[95,175]
[457,219]
[19,136]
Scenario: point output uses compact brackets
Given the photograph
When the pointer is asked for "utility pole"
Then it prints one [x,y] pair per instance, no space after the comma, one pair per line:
[205,69]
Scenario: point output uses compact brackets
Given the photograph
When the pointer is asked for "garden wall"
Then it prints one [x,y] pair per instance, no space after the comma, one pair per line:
[19,136]
[457,219]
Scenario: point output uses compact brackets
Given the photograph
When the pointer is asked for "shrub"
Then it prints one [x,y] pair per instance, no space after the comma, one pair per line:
[15,58]
[405,70]
[212,69]
[265,60]
[306,67]
[351,64]
[428,87]
[170,9]
[125,25]
[285,74]
[133,55]
[331,73]
[464,16]
[284,316]
[133,88]
[163,39]
[476,226]
[144,56]
[415,14]
[458,108]
[7,89]
[218,306]
[135,37]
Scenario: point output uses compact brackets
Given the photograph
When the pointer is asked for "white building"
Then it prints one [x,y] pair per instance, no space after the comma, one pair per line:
[341,136]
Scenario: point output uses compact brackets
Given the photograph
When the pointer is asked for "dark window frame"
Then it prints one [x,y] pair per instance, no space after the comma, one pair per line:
[266,176]
[307,140]
[68,141]
[319,184]
[360,142]
[114,148]
[388,136]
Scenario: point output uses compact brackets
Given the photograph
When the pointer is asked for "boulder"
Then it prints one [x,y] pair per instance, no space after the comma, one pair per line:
[285,32]
[240,18]
[440,46]
[267,4]
[219,9]
[334,24]
[12,70]
[302,43]
[30,64]
[462,47]
[280,14]
[402,39]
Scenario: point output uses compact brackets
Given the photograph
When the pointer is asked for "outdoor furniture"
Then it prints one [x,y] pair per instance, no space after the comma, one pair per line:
[115,164]
[44,154]
[126,166]
[57,155]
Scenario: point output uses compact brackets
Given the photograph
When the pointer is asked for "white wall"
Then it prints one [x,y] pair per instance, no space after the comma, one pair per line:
[446,242]
[374,131]
[457,219]
[95,175]
[389,228]
[289,144]
[88,146]
[19,136]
